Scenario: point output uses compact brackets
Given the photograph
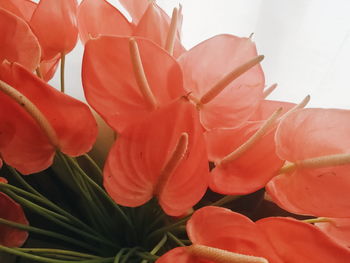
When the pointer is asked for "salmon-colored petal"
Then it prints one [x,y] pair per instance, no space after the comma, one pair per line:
[318,192]
[134,167]
[267,107]
[18,43]
[309,133]
[154,25]
[109,80]
[72,120]
[12,211]
[23,145]
[179,255]
[249,172]
[22,8]
[221,228]
[296,242]
[54,23]
[338,229]
[48,67]
[136,8]
[98,17]
[207,63]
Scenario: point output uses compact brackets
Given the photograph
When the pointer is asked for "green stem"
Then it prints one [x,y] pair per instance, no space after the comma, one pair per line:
[47,233]
[20,179]
[58,252]
[51,205]
[102,192]
[317,220]
[165,229]
[176,240]
[226,199]
[93,163]
[63,59]
[49,260]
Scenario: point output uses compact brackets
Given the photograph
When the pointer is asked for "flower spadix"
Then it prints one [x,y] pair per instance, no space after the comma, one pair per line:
[316,182]
[37,120]
[18,43]
[222,236]
[163,156]
[125,79]
[245,157]
[225,79]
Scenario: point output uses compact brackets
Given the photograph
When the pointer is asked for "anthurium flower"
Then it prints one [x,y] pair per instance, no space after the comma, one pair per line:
[126,79]
[225,80]
[54,24]
[37,120]
[11,211]
[336,228]
[245,160]
[317,181]
[163,156]
[22,8]
[220,235]
[98,17]
[18,43]
[47,68]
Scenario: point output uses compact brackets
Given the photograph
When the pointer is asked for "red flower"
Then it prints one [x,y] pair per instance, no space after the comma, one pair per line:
[124,80]
[18,43]
[219,234]
[29,143]
[316,141]
[11,211]
[163,156]
[21,8]
[243,167]
[54,24]
[227,94]
[98,17]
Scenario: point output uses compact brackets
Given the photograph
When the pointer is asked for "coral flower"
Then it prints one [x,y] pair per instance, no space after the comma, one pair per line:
[54,24]
[317,181]
[245,157]
[98,17]
[18,43]
[225,80]
[21,8]
[36,120]
[163,156]
[126,79]
[11,211]
[220,235]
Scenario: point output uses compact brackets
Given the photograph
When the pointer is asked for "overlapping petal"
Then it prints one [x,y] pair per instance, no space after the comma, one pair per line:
[110,84]
[98,17]
[22,8]
[18,43]
[338,229]
[155,25]
[12,211]
[136,8]
[54,24]
[23,144]
[306,134]
[257,165]
[134,170]
[295,242]
[207,63]
[275,239]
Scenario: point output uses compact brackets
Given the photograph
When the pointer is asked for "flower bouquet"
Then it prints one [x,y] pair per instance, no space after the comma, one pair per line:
[203,168]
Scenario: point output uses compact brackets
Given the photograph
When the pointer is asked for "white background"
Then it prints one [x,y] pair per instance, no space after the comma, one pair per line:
[306,43]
